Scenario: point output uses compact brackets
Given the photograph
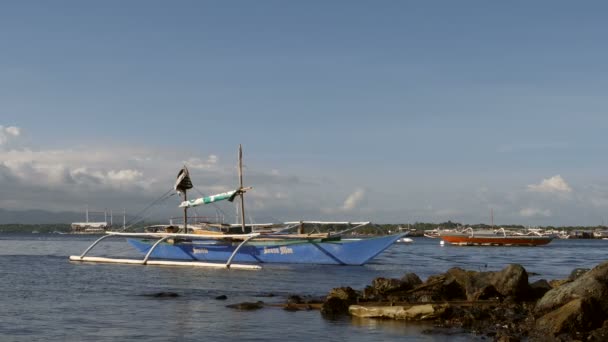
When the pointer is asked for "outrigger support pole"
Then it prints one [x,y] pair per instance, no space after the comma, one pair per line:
[236,250]
[361,224]
[145,261]
[93,245]
[163,237]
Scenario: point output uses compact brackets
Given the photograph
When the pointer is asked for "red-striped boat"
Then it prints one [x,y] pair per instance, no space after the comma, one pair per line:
[499,237]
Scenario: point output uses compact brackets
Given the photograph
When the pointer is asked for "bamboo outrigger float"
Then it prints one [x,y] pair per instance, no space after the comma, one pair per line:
[164,237]
[231,247]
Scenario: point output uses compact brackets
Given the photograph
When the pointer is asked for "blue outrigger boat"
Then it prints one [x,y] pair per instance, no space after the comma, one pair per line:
[220,245]
[273,248]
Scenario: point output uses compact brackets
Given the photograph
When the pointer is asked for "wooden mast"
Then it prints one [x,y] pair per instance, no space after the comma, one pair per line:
[241,187]
[182,184]
[185,212]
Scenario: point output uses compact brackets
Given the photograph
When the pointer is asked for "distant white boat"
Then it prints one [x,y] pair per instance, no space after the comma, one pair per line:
[404,240]
[99,227]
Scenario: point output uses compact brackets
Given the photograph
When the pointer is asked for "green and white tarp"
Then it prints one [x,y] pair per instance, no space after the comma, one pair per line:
[209,199]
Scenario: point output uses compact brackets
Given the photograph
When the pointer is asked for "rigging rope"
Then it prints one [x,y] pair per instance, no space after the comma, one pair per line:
[139,216]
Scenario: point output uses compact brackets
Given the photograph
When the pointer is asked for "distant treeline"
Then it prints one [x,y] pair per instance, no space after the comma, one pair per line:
[35,228]
[48,228]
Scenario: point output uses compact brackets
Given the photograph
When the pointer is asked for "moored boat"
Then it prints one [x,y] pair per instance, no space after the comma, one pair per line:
[272,248]
[499,237]
[218,245]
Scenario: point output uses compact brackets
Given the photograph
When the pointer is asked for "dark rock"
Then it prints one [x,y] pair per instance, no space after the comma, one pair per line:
[476,285]
[386,285]
[344,293]
[538,289]
[338,301]
[334,307]
[295,299]
[369,294]
[431,290]
[511,281]
[265,295]
[291,307]
[162,295]
[452,290]
[488,293]
[247,306]
[390,289]
[409,281]
[576,273]
[221,297]
[600,334]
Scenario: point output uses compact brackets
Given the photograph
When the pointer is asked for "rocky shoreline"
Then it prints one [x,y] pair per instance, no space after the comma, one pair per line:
[501,305]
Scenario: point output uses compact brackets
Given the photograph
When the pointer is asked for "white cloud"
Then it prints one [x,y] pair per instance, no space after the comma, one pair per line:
[532,212]
[8,133]
[12,130]
[555,184]
[90,168]
[127,176]
[198,163]
[124,175]
[353,200]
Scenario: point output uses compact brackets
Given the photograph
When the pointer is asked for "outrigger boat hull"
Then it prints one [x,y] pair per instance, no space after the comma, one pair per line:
[341,252]
[497,240]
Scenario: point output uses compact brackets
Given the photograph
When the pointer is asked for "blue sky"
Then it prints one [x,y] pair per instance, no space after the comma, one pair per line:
[394,111]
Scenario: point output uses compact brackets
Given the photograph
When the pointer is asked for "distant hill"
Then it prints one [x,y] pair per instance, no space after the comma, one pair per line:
[38,217]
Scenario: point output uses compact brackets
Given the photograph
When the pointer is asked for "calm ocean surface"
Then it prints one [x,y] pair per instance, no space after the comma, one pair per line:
[47,298]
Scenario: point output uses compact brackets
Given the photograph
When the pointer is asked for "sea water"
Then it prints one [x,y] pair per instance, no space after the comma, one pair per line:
[45,297]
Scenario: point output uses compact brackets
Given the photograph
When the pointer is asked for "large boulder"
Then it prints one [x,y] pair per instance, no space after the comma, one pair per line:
[578,315]
[338,301]
[391,289]
[511,282]
[592,285]
[412,312]
[476,285]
